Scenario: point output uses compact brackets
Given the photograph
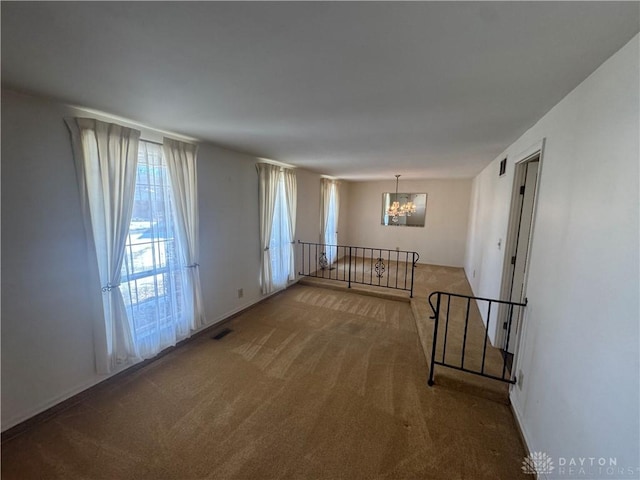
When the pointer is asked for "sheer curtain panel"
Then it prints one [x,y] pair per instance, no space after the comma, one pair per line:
[181,163]
[280,241]
[329,208]
[268,176]
[291,194]
[154,278]
[106,158]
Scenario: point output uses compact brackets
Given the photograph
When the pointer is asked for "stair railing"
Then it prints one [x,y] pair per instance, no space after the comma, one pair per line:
[471,312]
[379,267]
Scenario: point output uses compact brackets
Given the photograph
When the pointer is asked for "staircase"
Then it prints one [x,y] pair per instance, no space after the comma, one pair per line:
[461,351]
[427,280]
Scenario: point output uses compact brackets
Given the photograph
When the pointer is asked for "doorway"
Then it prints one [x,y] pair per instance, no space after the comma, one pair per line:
[518,252]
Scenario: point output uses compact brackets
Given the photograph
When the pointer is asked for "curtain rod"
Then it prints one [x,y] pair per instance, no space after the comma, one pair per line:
[150,141]
[105,116]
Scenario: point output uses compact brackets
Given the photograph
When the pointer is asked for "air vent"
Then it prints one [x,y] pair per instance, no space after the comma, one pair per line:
[222,333]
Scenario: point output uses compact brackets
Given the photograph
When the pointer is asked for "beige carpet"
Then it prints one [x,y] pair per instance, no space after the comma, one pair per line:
[312,383]
[428,279]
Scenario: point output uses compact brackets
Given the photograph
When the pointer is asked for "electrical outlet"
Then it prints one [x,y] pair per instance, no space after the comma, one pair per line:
[520,379]
[240,292]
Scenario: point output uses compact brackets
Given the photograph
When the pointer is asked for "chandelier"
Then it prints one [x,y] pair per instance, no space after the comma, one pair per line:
[395,211]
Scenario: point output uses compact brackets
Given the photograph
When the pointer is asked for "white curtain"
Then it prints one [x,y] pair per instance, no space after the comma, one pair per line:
[106,157]
[154,281]
[268,176]
[329,206]
[291,193]
[280,241]
[181,164]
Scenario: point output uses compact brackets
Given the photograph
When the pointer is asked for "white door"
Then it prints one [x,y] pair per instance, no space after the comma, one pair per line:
[520,256]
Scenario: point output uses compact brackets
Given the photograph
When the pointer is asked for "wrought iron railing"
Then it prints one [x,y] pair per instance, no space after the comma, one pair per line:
[472,351]
[379,267]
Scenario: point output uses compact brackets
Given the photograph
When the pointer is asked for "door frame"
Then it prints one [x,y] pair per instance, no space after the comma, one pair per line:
[535,151]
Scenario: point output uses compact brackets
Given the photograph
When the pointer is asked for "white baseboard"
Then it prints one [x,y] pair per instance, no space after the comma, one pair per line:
[52,402]
[524,435]
[230,313]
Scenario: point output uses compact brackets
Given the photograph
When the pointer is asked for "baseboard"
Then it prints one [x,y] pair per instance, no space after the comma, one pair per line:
[72,397]
[524,436]
[231,314]
[466,275]
[50,405]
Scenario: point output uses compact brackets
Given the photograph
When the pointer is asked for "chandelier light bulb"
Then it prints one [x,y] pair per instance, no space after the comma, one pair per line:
[396,210]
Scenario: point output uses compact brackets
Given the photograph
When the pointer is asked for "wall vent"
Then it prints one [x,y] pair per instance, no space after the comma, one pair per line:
[222,333]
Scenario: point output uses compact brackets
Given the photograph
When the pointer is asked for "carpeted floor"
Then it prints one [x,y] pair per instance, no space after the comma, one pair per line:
[428,279]
[311,384]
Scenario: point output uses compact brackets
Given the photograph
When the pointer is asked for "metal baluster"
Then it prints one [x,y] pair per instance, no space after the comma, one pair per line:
[446,328]
[506,347]
[371,267]
[350,267]
[486,334]
[406,268]
[413,267]
[435,341]
[388,263]
[466,326]
[397,266]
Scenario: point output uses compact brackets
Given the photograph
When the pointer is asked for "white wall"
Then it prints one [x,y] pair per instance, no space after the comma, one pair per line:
[440,242]
[47,300]
[48,294]
[580,348]
[308,210]
[229,239]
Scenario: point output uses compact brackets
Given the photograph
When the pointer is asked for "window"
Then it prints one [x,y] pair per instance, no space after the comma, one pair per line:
[153,281]
[277,194]
[147,258]
[280,241]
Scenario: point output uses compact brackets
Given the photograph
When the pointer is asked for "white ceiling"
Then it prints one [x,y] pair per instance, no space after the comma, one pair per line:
[358,90]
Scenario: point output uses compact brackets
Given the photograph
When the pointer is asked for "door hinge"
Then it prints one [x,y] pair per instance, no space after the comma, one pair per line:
[522,190]
[504,326]
[513,260]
